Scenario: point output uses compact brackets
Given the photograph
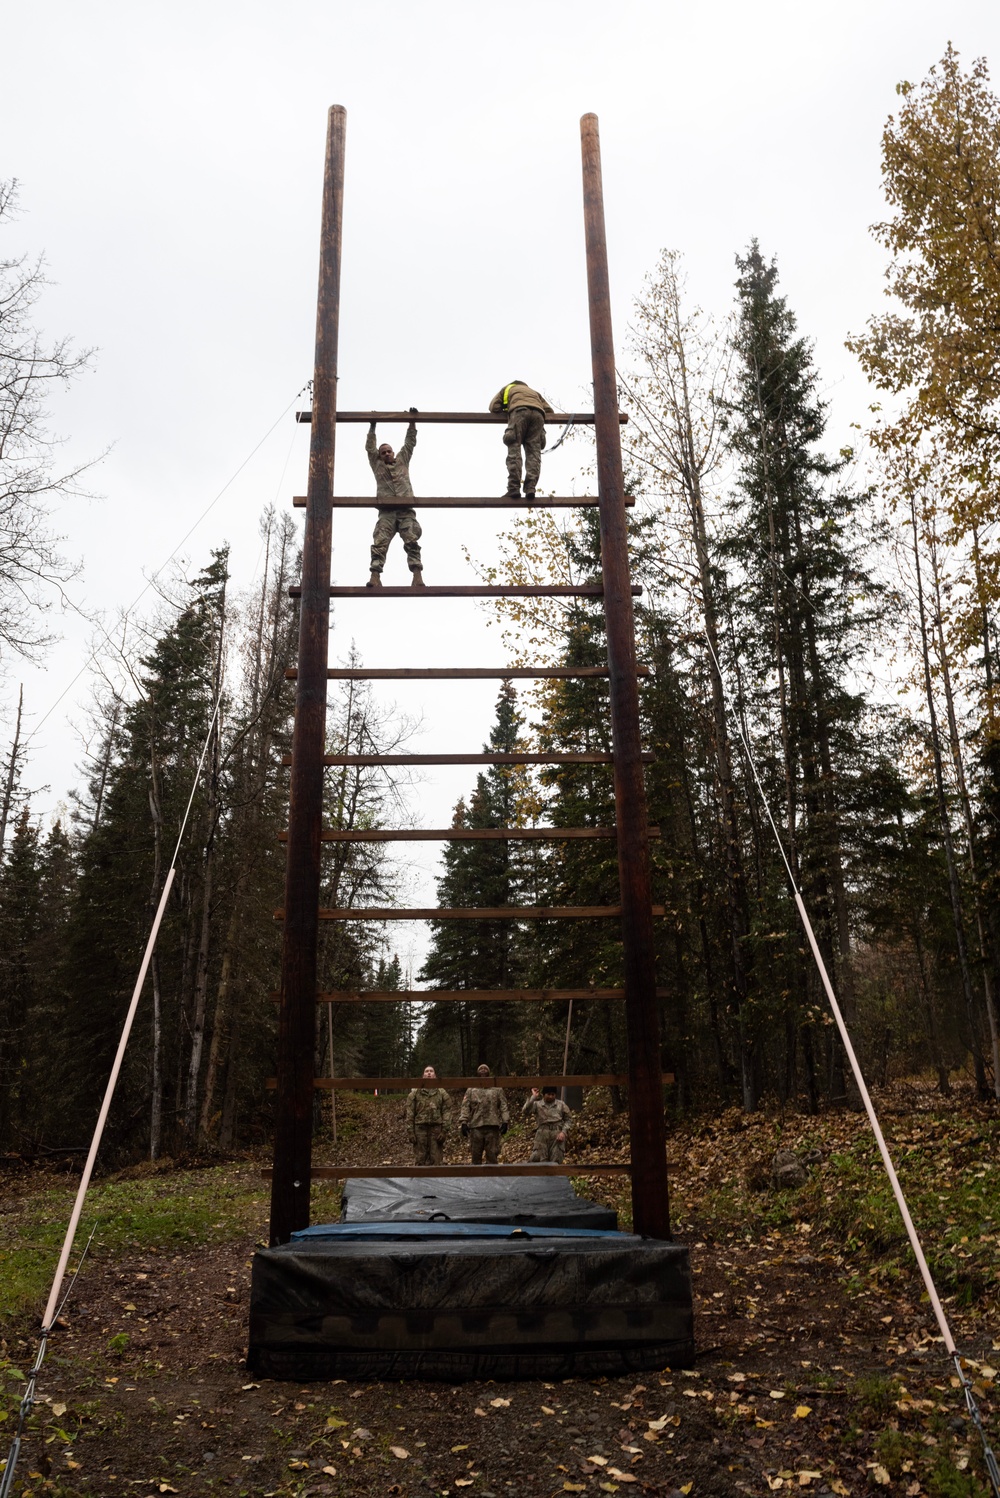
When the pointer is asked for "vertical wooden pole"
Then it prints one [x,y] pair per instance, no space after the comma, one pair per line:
[650,1206]
[297,1014]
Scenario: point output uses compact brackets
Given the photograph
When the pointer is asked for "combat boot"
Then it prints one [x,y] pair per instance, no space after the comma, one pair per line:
[375,581]
[417,578]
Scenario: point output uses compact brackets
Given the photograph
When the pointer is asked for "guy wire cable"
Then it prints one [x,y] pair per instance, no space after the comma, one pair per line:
[28,1398]
[989,1458]
[150,581]
[53,1305]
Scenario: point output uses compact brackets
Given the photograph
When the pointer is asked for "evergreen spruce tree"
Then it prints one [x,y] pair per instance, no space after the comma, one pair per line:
[493,872]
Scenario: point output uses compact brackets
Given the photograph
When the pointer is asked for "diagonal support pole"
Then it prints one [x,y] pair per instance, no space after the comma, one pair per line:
[297,1014]
[650,1206]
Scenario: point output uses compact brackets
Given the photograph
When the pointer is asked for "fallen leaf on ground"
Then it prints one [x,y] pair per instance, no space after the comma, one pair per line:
[801,1411]
[545,1409]
[500,1404]
[399,1451]
[881,1476]
[777,1393]
[464,1482]
[574,1487]
[456,1449]
[478,1411]
[330,1471]
[806,1477]
[622,1476]
[658,1424]
[608,1487]
[58,1409]
[332,1423]
[599,1461]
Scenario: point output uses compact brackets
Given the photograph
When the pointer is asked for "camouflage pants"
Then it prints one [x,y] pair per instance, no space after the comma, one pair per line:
[548,1148]
[526,428]
[388,523]
[428,1144]
[485,1139]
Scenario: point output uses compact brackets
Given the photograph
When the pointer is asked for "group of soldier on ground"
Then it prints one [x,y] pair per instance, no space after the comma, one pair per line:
[525,410]
[483,1119]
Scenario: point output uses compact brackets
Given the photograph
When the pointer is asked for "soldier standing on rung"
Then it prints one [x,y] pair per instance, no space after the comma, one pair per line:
[428,1114]
[392,481]
[552,1120]
[526,411]
[484,1116]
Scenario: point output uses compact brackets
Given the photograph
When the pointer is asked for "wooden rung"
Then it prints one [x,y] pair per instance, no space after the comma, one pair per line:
[458,418]
[354,1172]
[465,834]
[467,995]
[475,913]
[399,1084]
[470,759]
[542,502]
[465,673]
[476,590]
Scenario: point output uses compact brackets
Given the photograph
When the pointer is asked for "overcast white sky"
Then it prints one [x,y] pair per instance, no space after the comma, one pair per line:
[170,156]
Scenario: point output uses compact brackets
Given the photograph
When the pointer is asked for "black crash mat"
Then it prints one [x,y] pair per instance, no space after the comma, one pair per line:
[473,1301]
[528,1201]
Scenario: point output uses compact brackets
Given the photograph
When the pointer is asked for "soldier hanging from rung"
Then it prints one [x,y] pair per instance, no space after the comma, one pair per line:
[392,481]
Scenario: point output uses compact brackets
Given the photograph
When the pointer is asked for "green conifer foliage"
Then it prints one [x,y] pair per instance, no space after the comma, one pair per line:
[497,872]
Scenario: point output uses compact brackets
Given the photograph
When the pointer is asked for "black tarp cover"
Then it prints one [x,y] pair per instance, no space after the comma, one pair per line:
[525,1200]
[432,1302]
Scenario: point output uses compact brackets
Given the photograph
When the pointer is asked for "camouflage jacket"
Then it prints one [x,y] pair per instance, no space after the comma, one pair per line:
[428,1105]
[484,1108]
[392,480]
[519,394]
[547,1115]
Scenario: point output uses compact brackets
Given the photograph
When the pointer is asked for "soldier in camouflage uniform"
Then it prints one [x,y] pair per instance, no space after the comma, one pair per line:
[484,1116]
[392,481]
[552,1120]
[428,1114]
[526,411]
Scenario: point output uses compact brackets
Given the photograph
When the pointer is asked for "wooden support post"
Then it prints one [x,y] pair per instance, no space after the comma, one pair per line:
[297,1014]
[650,1208]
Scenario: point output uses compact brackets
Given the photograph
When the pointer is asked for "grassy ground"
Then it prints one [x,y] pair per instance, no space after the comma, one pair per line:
[819,1369]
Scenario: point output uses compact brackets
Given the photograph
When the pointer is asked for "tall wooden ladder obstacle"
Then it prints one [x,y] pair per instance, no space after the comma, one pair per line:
[293,1168]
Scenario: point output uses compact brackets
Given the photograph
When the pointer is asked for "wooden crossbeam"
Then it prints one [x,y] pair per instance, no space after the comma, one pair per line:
[455,418]
[469,759]
[466,995]
[356,1172]
[465,834]
[398,1084]
[475,590]
[438,502]
[475,913]
[464,673]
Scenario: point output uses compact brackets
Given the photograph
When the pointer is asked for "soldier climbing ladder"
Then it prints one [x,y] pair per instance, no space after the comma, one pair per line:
[293,1168]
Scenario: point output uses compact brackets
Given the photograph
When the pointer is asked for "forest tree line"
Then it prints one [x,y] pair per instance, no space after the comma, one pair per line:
[820,628]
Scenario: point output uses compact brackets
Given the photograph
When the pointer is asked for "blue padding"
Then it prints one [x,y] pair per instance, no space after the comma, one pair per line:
[380,1231]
